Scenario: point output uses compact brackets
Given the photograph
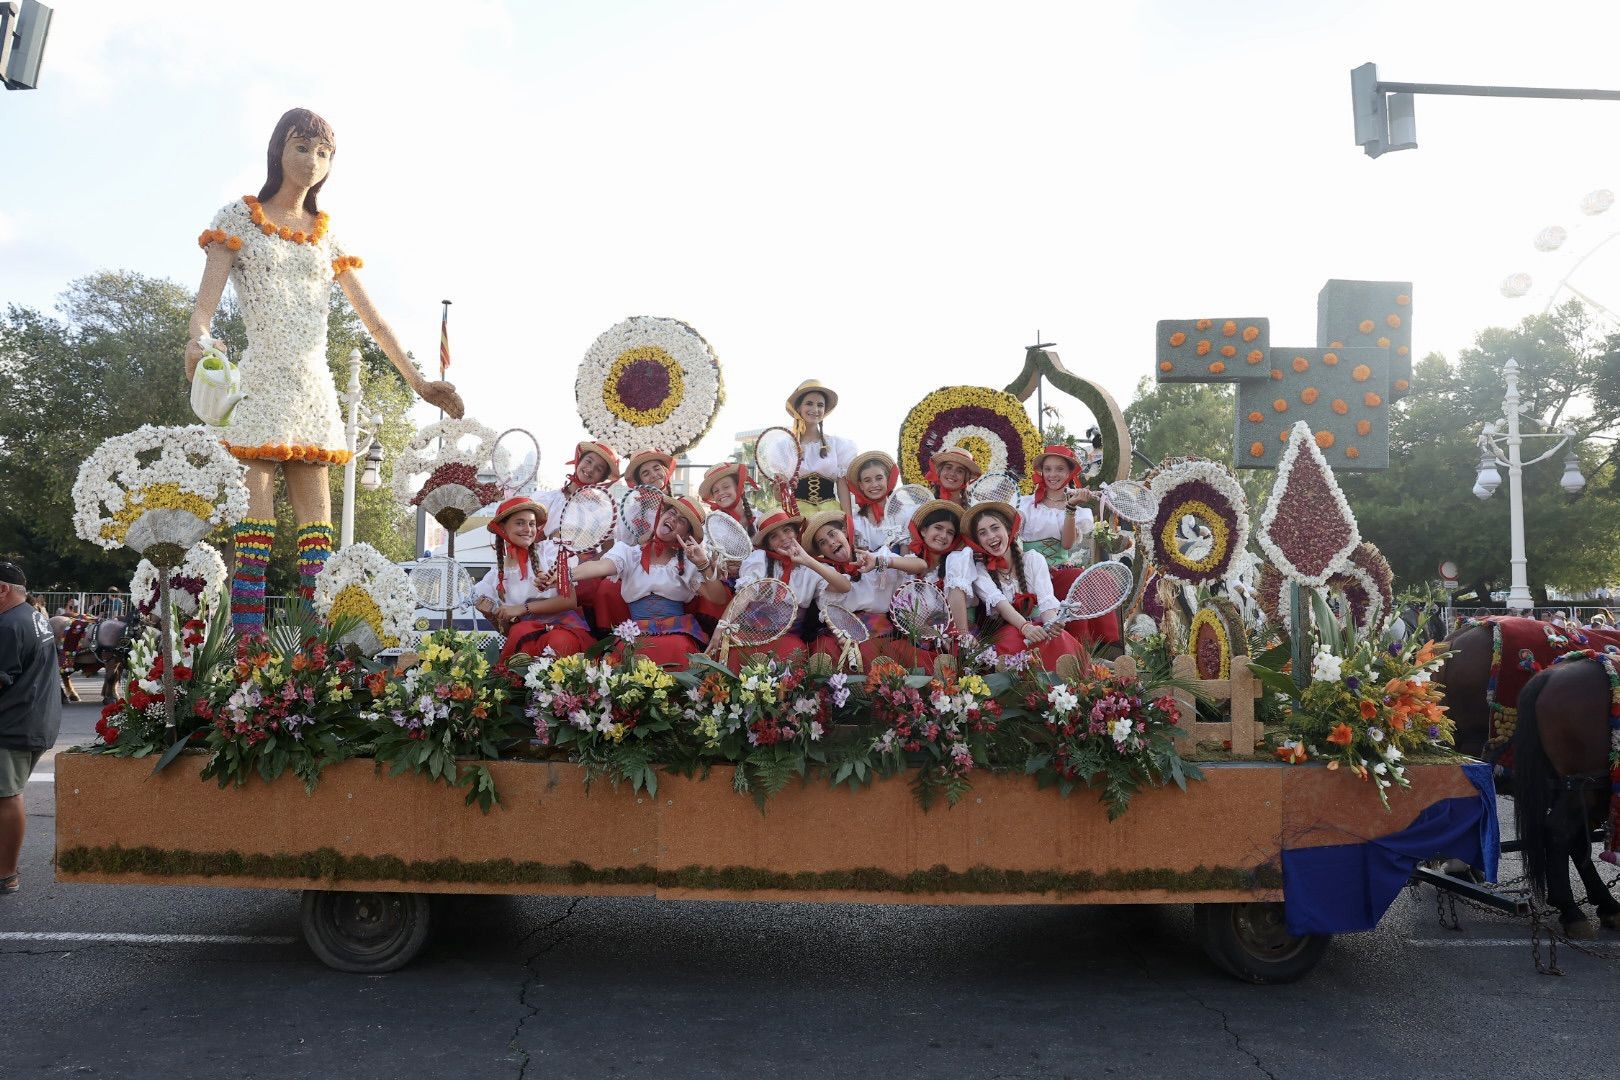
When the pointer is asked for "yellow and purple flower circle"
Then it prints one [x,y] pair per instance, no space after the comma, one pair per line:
[989,424]
[649,384]
[1203,522]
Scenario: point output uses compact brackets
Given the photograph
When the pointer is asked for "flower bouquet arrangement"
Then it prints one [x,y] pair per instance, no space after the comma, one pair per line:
[1104,727]
[947,720]
[136,723]
[452,704]
[771,720]
[1367,707]
[287,702]
[608,713]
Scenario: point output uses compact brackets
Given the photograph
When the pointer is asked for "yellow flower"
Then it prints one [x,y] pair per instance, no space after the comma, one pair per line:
[644,417]
[154,497]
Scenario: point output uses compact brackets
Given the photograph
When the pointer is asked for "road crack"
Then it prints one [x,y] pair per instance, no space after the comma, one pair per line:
[1226,1026]
[529,980]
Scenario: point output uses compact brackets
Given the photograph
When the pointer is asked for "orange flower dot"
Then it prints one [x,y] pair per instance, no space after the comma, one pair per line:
[1178,339]
[1255,356]
[1331,359]
[286,232]
[1276,374]
[1372,400]
[1340,406]
[1282,436]
[1250,333]
[1229,351]
[1308,395]
[1352,453]
[1324,439]
[1383,343]
[1402,385]
[1363,427]
[1228,328]
[1392,321]
[1256,417]
[1280,405]
[1217,368]
[1165,365]
[1403,300]
[298,236]
[1301,364]
[1366,326]
[1335,344]
[1204,324]
[1203,347]
[268,229]
[1402,350]
[1362,373]
[1257,449]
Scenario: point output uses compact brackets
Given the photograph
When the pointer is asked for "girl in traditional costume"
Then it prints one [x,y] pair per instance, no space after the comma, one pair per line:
[279,252]
[950,470]
[778,554]
[659,578]
[517,595]
[823,459]
[1057,523]
[871,479]
[935,553]
[723,489]
[1015,585]
[870,589]
[594,463]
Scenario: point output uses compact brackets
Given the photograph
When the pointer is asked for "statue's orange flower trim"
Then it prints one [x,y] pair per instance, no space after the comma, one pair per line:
[296,236]
[1256,417]
[1165,365]
[1280,405]
[1402,385]
[1257,449]
[345,263]
[284,452]
[1204,324]
[1352,453]
[1217,368]
[1366,326]
[219,236]
[1363,427]
[1392,321]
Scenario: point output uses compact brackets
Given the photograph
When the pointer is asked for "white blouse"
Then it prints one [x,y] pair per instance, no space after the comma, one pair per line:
[805,582]
[994,588]
[870,535]
[663,579]
[1042,522]
[873,592]
[519,590]
[841,454]
[553,501]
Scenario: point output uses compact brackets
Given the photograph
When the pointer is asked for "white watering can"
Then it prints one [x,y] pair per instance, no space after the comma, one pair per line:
[216,387]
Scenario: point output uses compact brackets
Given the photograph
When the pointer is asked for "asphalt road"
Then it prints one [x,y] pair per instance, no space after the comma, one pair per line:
[181,983]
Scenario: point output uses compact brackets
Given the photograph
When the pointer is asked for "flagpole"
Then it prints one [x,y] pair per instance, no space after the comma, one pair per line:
[450,538]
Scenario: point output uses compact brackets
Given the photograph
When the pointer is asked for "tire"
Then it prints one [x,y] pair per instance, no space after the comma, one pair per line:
[366,933]
[1251,942]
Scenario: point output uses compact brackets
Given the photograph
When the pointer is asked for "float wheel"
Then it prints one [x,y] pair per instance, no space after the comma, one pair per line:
[365,932]
[1251,942]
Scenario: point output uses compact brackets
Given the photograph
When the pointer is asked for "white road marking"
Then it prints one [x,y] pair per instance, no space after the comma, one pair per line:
[1478,943]
[143,939]
[42,778]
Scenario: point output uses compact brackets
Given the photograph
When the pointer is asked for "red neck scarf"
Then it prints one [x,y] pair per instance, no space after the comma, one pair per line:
[654,548]
[874,507]
[994,563]
[784,561]
[928,555]
[519,555]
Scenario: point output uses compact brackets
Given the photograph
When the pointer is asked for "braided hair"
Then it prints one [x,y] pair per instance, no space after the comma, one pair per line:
[1015,550]
[500,562]
[932,519]
[801,428]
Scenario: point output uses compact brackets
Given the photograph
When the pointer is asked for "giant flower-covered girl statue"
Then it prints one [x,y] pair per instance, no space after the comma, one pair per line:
[279,252]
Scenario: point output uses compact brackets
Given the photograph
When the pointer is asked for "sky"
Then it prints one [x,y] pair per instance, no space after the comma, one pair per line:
[889,197]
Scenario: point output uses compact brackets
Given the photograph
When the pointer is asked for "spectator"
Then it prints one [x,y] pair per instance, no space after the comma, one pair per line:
[70,608]
[30,710]
[112,607]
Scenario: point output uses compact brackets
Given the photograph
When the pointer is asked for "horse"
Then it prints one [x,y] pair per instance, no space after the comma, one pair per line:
[1465,675]
[1561,786]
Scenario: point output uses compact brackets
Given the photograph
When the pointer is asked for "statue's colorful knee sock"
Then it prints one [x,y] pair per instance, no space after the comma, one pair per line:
[314,548]
[252,538]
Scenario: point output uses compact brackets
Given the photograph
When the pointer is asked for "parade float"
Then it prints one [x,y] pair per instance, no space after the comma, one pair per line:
[1284,775]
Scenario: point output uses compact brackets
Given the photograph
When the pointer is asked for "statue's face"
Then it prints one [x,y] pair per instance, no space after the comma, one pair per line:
[305,161]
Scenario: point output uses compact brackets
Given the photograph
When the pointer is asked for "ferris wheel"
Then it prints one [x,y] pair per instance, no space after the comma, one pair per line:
[1580,262]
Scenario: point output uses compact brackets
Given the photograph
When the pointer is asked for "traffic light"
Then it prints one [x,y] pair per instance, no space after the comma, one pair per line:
[22,42]
[1383,122]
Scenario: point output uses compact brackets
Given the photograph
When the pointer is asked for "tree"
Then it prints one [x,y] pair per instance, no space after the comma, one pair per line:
[1421,512]
[1169,420]
[112,362]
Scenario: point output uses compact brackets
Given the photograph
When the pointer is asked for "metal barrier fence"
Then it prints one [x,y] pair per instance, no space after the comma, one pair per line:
[95,603]
[1578,613]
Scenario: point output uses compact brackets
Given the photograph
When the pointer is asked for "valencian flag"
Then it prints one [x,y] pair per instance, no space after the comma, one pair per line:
[444,342]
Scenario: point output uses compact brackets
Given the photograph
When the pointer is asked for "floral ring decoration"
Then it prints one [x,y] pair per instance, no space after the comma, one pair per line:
[158,490]
[649,384]
[359,583]
[452,490]
[1202,523]
[989,424]
[194,585]
[1216,633]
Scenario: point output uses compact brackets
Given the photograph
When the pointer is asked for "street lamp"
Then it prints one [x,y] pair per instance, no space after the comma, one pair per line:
[360,435]
[1492,440]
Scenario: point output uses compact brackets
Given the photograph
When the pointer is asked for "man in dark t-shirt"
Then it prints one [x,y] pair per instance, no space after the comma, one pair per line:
[30,709]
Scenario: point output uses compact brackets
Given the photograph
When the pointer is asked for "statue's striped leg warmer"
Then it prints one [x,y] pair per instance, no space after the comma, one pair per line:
[252,538]
[314,548]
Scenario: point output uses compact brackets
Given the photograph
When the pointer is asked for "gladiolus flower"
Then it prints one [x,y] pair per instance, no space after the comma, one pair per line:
[1342,735]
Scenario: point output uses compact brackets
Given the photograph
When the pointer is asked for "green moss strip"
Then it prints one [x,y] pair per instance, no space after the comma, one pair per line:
[326,864]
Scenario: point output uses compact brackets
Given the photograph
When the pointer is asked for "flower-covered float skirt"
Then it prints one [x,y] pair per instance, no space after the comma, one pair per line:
[290,412]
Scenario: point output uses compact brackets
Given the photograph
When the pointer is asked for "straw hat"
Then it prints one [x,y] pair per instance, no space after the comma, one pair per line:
[513,506]
[955,454]
[821,520]
[719,472]
[852,475]
[601,450]
[970,519]
[804,388]
[688,508]
[638,460]
[773,521]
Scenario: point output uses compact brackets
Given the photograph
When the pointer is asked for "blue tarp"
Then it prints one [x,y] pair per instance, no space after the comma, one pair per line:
[1344,888]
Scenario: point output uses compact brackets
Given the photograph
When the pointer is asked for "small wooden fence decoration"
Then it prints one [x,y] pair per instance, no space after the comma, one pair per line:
[1238,692]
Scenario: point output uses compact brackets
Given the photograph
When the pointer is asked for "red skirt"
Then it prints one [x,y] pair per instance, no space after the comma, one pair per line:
[533,637]
[1103,630]
[671,651]
[878,642]
[1010,641]
[781,649]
